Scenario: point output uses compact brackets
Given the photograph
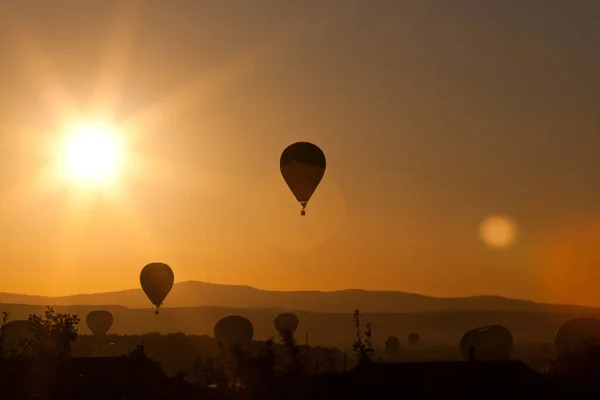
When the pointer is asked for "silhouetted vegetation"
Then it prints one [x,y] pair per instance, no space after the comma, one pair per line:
[578,371]
[363,346]
[5,317]
[51,335]
[55,362]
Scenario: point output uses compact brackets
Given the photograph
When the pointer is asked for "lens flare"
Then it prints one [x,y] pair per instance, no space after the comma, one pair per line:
[498,231]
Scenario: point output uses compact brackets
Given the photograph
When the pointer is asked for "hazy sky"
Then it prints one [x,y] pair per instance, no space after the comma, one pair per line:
[432,115]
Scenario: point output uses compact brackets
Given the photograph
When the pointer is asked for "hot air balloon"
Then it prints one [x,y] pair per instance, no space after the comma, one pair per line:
[492,342]
[302,165]
[14,333]
[413,338]
[392,346]
[574,335]
[157,280]
[234,329]
[286,323]
[99,322]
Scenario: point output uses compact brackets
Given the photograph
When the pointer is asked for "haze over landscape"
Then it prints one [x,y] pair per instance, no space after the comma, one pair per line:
[195,307]
[433,116]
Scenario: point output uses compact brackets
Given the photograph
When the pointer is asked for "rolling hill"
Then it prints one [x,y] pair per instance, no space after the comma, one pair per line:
[196,294]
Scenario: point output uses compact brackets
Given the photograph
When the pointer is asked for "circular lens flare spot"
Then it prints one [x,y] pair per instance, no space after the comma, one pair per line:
[498,231]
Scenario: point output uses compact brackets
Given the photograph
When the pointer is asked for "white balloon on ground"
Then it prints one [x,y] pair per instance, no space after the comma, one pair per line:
[488,343]
[99,322]
[577,333]
[14,333]
[234,329]
[286,322]
[392,346]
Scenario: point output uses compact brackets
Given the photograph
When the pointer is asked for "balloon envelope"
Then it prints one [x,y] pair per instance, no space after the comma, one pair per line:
[576,334]
[99,322]
[392,345]
[302,166]
[493,342]
[413,338]
[234,329]
[286,322]
[14,332]
[157,281]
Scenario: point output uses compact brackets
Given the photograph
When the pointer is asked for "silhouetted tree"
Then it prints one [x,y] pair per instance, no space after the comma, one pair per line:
[330,360]
[52,334]
[344,362]
[577,372]
[207,375]
[363,346]
[297,365]
[5,317]
[258,371]
[139,353]
[582,365]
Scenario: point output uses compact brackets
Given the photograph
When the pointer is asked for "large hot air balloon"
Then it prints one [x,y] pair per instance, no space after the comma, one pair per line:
[157,280]
[392,346]
[493,342]
[234,329]
[413,338]
[286,323]
[99,322]
[14,333]
[302,165]
[574,335]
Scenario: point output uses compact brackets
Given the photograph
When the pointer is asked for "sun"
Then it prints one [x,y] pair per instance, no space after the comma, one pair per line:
[92,154]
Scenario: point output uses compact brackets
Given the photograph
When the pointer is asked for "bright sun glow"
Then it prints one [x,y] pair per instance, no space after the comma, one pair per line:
[93,154]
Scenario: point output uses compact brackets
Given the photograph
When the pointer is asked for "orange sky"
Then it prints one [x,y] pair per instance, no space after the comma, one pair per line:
[432,117]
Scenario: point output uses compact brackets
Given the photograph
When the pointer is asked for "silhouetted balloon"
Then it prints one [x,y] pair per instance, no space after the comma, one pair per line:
[157,280]
[234,329]
[413,338]
[286,322]
[493,342]
[99,322]
[577,333]
[392,345]
[302,165]
[14,333]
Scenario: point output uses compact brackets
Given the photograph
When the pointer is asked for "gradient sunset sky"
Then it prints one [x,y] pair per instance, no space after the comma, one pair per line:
[433,115]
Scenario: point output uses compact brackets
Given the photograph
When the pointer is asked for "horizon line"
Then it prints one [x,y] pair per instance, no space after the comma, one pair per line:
[313,291]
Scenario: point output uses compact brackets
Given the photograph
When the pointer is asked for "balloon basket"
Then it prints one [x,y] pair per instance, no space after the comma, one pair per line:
[302,213]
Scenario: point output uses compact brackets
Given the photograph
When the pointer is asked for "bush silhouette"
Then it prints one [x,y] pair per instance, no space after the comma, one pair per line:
[51,335]
[363,346]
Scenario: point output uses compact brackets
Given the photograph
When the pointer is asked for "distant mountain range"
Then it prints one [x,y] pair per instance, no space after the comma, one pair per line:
[195,307]
[196,294]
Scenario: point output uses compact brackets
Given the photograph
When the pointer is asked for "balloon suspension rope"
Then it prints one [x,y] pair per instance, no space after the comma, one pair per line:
[303,211]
